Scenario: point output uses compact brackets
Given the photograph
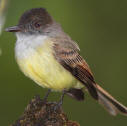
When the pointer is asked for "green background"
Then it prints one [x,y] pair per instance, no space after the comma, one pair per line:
[100,29]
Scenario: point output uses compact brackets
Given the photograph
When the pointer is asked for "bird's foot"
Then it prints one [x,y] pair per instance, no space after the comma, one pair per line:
[57,106]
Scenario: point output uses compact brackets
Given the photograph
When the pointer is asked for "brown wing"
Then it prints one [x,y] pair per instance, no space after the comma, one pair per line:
[67,54]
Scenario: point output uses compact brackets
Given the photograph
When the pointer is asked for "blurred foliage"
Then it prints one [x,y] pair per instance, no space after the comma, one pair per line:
[3,6]
[100,29]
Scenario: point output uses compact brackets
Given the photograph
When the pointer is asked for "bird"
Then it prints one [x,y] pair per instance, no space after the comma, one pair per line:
[48,56]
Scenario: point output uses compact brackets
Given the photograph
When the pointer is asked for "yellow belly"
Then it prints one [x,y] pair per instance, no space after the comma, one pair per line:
[42,67]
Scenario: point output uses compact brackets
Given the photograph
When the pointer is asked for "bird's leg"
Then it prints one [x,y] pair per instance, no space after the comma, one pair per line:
[60,102]
[61,99]
[46,96]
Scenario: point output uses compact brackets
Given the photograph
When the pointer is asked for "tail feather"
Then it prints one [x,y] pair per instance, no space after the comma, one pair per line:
[110,103]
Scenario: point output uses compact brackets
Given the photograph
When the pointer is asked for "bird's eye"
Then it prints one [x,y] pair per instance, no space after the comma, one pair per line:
[37,25]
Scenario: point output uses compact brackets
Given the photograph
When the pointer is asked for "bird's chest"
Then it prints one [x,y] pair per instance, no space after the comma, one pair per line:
[39,64]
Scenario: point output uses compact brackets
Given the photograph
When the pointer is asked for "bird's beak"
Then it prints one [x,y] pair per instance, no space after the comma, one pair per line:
[13,29]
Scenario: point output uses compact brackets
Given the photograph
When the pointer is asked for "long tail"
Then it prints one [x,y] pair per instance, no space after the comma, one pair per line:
[110,103]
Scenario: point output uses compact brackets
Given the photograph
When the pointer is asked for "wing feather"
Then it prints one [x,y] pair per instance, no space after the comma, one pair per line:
[67,54]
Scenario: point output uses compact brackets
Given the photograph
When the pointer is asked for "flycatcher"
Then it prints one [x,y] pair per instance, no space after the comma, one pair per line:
[47,55]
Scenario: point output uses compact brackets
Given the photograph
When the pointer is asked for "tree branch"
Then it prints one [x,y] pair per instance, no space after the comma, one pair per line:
[38,113]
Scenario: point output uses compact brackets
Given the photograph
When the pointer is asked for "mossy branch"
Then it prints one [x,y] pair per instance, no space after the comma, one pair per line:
[38,113]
